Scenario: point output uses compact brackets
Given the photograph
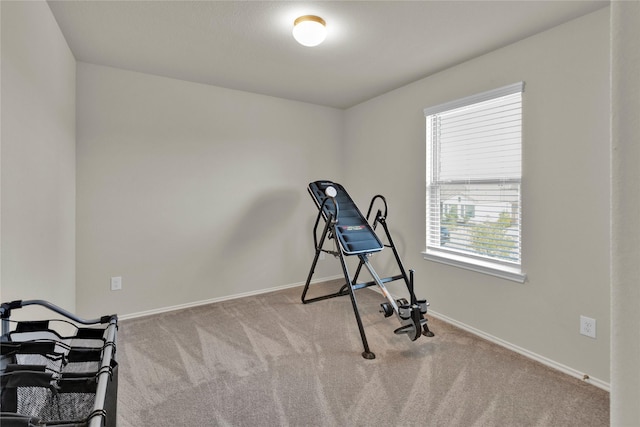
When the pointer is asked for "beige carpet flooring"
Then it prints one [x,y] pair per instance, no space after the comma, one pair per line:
[269,360]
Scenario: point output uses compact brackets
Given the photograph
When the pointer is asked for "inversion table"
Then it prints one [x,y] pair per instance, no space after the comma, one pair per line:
[355,236]
[60,372]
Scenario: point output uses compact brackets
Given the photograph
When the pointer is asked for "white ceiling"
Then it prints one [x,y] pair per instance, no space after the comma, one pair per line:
[371,47]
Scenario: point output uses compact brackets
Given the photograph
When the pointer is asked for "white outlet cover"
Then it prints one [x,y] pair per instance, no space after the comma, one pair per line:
[588,326]
[116,283]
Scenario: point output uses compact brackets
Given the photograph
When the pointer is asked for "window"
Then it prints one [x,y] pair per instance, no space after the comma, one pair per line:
[473,182]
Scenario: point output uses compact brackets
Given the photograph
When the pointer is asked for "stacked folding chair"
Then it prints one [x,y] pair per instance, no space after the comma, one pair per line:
[60,372]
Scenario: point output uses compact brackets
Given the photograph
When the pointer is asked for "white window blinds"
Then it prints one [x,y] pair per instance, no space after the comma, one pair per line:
[473,176]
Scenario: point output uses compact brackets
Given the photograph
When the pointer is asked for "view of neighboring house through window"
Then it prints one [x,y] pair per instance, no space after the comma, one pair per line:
[473,182]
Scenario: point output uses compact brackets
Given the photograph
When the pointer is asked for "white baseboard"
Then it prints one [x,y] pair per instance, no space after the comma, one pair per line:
[523,351]
[220,299]
[531,355]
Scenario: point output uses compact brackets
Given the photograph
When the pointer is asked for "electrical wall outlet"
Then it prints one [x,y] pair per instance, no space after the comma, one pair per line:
[588,326]
[116,283]
[321,257]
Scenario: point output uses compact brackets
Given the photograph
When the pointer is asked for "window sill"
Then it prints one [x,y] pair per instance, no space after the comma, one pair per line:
[480,266]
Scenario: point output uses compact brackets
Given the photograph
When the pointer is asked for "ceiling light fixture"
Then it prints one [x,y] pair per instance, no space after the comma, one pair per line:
[309,30]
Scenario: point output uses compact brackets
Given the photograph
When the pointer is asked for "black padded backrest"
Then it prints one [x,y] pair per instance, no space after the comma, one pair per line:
[354,233]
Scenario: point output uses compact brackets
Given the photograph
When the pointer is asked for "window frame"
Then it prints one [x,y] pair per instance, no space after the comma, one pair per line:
[486,265]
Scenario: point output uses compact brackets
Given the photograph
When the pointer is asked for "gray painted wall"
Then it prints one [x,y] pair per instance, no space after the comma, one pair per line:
[625,209]
[565,190]
[191,192]
[38,158]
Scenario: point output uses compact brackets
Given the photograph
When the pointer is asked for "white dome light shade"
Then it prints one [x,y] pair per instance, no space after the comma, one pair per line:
[309,30]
